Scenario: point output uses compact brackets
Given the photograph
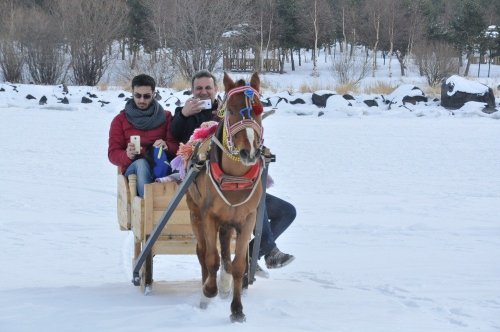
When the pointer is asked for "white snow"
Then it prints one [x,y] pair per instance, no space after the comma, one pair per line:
[464,85]
[397,228]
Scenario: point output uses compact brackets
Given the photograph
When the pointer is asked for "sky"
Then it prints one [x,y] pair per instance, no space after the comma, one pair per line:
[397,226]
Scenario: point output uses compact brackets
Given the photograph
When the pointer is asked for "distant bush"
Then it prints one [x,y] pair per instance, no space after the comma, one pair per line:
[11,61]
[350,69]
[435,61]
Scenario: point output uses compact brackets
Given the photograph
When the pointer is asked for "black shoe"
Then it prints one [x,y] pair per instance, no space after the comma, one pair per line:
[276,259]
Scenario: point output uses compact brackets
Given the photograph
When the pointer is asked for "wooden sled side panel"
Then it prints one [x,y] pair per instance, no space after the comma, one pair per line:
[177,237]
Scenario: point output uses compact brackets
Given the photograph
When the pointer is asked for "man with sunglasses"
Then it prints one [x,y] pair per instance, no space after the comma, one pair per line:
[143,116]
[279,214]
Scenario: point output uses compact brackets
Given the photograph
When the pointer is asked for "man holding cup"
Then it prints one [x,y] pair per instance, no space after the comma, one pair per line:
[141,124]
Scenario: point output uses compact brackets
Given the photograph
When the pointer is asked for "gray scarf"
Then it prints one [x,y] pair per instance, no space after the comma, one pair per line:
[147,119]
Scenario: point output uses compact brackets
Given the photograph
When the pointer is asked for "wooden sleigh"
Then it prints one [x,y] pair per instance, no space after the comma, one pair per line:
[144,215]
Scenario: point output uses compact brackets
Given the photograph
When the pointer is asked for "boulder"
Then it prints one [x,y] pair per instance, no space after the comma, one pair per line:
[30,97]
[348,97]
[42,101]
[319,99]
[370,103]
[406,93]
[297,101]
[86,100]
[456,91]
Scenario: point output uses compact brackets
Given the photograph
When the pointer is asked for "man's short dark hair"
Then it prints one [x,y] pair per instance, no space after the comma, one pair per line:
[203,73]
[144,80]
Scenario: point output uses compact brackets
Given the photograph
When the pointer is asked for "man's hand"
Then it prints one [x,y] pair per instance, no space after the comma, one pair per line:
[161,144]
[192,106]
[131,152]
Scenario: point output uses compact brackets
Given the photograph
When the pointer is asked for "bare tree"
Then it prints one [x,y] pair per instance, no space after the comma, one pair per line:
[43,48]
[373,11]
[159,63]
[91,26]
[435,60]
[11,57]
[350,70]
[197,38]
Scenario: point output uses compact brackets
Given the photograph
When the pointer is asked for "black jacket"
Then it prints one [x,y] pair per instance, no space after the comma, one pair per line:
[183,127]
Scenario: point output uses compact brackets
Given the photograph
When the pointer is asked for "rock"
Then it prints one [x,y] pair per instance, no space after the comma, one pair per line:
[42,101]
[64,100]
[86,100]
[103,102]
[2,89]
[321,113]
[297,101]
[266,103]
[121,95]
[406,93]
[91,95]
[348,97]
[489,110]
[320,99]
[414,99]
[370,102]
[158,96]
[280,99]
[30,97]
[456,91]
[187,92]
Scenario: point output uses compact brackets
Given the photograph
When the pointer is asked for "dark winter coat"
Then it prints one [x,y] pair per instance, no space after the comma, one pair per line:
[183,127]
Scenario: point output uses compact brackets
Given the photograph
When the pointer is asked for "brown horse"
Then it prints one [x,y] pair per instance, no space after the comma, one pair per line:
[226,196]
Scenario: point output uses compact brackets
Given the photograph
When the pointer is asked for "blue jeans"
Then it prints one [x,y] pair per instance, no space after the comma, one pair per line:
[278,215]
[144,173]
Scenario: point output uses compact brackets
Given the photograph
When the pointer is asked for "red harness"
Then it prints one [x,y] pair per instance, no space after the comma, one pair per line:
[229,182]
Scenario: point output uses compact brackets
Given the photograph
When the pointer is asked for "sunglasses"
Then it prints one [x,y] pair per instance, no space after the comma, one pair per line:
[145,96]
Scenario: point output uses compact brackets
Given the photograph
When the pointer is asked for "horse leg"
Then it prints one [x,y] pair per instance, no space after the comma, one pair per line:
[239,266]
[200,242]
[212,260]
[226,276]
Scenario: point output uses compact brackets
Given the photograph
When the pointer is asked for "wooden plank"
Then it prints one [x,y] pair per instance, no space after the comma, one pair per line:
[123,203]
[148,209]
[178,217]
[137,218]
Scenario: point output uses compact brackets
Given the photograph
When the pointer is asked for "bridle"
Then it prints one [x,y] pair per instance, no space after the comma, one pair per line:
[229,131]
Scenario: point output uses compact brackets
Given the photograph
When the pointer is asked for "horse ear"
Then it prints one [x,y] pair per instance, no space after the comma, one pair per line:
[255,81]
[228,82]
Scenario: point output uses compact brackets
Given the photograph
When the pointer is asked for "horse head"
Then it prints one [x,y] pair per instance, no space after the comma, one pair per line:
[243,133]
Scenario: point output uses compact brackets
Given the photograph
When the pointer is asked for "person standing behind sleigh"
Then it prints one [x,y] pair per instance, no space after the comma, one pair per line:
[143,116]
[278,214]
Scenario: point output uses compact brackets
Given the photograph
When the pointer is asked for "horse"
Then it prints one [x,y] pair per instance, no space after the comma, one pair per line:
[227,195]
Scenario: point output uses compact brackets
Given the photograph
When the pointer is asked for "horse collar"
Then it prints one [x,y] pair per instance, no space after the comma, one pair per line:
[234,183]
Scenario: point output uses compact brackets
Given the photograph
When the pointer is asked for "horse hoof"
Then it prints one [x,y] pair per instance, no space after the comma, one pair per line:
[148,289]
[238,318]
[204,301]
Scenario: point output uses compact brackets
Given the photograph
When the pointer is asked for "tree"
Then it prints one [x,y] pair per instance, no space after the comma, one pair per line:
[198,34]
[435,60]
[466,28]
[90,27]
[42,41]
[11,57]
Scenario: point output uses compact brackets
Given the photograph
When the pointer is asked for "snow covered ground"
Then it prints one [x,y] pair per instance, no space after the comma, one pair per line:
[397,229]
